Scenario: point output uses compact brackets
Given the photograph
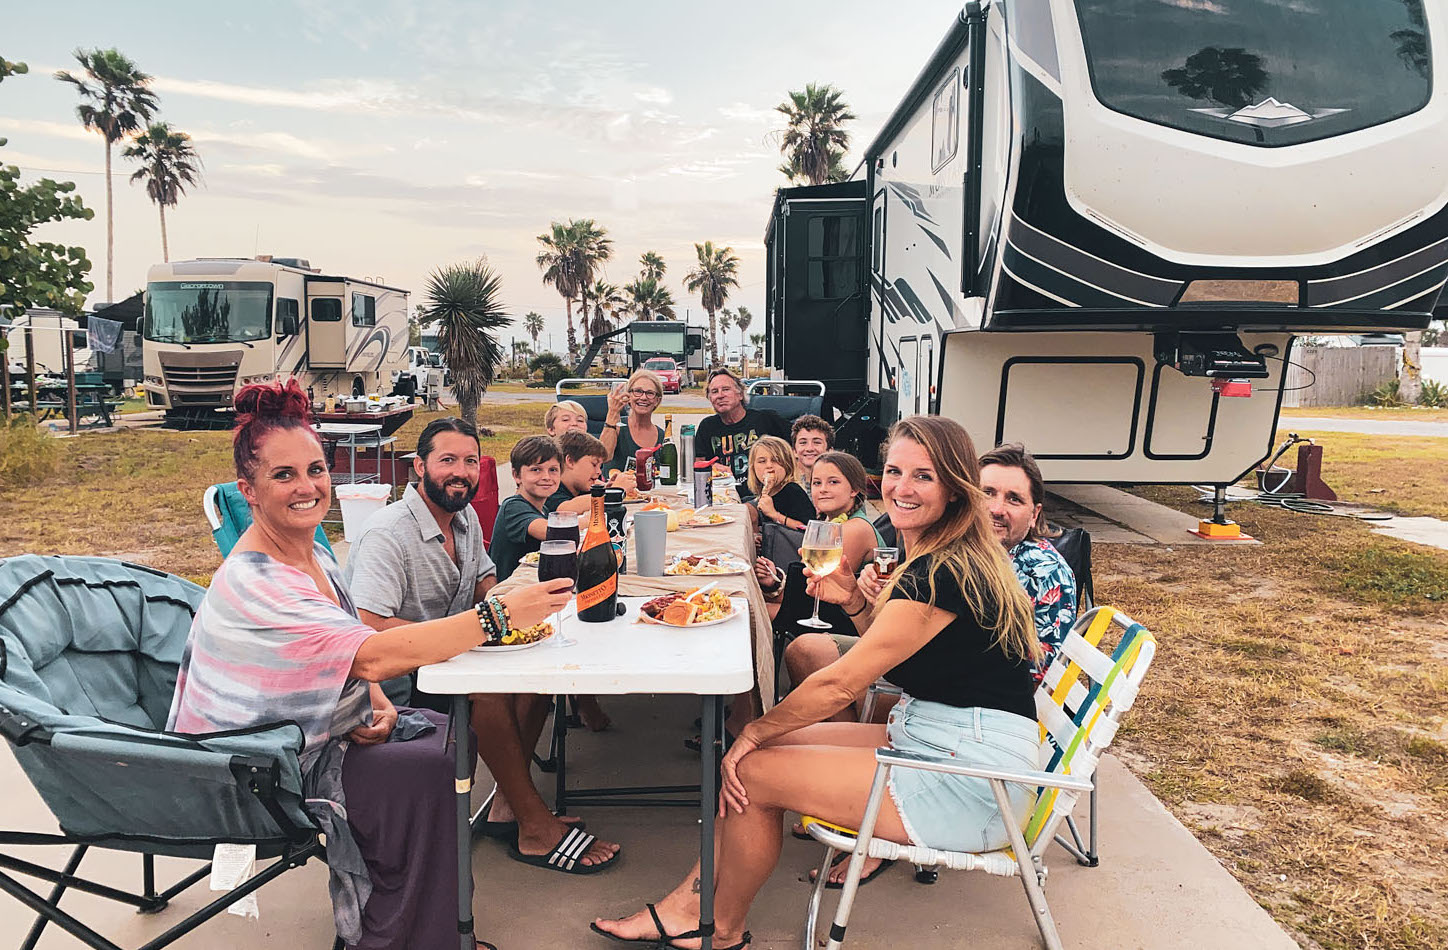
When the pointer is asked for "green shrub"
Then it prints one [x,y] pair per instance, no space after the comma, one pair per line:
[1385,395]
[27,455]
[550,366]
[1434,394]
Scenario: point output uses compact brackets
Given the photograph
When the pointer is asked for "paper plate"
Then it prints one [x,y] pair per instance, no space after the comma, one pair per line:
[645,618]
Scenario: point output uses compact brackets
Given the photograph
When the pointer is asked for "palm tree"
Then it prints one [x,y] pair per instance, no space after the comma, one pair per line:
[653,266]
[647,297]
[533,323]
[168,165]
[726,321]
[758,340]
[557,262]
[717,271]
[742,319]
[465,302]
[592,248]
[115,101]
[608,300]
[814,141]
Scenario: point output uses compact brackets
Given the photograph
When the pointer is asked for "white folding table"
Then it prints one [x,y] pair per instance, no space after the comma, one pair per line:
[619,657]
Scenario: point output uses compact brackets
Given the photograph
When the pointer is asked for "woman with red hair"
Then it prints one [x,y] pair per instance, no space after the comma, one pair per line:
[277,638]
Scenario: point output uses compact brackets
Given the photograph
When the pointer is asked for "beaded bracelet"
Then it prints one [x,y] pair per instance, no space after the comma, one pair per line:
[488,621]
[505,620]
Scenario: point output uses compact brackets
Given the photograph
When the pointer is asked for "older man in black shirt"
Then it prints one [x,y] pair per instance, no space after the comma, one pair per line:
[733,429]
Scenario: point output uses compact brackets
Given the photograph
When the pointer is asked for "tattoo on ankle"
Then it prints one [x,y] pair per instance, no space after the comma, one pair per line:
[695,887]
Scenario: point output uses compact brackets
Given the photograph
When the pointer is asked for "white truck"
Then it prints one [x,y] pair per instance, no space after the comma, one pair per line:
[212,325]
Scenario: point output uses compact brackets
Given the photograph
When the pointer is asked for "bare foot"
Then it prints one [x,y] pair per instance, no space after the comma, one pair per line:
[841,867]
[676,918]
[542,839]
[499,811]
[592,714]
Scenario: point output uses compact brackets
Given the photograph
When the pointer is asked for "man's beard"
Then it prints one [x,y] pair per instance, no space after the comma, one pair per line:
[439,496]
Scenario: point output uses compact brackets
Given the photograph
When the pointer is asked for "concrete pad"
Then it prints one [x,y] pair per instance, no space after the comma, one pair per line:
[1429,531]
[1157,888]
[1364,426]
[1155,523]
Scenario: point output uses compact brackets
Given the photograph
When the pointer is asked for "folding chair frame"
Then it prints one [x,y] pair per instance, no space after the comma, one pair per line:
[257,774]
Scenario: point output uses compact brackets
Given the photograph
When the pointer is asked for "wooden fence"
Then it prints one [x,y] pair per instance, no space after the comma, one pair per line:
[1343,374]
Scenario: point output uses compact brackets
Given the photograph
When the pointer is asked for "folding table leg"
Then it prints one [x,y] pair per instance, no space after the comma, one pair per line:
[560,754]
[463,786]
[709,718]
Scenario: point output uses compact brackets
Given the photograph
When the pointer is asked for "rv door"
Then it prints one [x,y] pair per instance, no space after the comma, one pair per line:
[326,329]
[909,376]
[925,376]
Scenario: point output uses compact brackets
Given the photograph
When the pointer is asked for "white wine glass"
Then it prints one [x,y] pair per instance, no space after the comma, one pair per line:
[822,551]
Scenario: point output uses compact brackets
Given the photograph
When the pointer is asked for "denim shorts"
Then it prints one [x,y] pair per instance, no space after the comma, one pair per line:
[955,812]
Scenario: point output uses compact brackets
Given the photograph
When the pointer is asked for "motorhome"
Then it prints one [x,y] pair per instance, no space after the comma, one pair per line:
[1097,226]
[212,325]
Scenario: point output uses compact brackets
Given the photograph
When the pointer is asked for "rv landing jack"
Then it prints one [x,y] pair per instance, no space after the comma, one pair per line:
[1219,527]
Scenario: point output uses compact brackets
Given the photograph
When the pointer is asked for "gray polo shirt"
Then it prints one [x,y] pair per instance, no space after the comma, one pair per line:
[398,567]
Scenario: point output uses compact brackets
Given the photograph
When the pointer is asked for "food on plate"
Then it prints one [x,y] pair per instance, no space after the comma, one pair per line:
[656,506]
[686,564]
[677,610]
[698,520]
[530,558]
[722,471]
[516,637]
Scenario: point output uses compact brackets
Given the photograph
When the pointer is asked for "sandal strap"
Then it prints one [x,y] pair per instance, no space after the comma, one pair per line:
[664,936]
[570,848]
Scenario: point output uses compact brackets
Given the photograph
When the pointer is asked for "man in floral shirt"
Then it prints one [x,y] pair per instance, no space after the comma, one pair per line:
[1014,490]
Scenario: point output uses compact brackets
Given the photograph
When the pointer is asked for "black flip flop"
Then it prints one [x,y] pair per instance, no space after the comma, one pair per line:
[845,856]
[506,830]
[567,854]
[664,939]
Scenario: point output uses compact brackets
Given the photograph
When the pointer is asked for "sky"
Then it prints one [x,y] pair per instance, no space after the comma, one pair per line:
[387,138]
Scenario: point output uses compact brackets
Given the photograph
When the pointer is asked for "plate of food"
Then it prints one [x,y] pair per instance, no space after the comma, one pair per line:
[516,639]
[677,610]
[632,496]
[686,564]
[530,558]
[705,519]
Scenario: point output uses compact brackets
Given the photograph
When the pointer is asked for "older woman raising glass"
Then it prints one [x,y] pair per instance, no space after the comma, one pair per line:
[640,396]
[277,637]
[954,629]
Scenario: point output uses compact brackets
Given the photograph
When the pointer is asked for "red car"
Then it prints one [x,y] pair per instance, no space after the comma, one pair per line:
[669,373]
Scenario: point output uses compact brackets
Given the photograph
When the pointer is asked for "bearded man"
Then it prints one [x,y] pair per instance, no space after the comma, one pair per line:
[422,558]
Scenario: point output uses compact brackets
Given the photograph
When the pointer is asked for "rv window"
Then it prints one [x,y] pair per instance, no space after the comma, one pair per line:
[288,315]
[326,310]
[945,122]
[877,240]
[834,257]
[1270,73]
[364,310]
[208,311]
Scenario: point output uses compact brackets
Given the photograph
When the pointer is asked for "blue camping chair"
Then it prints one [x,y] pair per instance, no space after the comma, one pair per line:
[229,515]
[775,396]
[89,653]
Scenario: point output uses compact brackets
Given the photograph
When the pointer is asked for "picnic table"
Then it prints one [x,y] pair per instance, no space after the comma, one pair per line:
[91,399]
[389,419]
[619,657]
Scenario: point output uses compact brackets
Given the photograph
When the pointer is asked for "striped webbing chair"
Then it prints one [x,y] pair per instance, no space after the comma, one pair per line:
[1100,688]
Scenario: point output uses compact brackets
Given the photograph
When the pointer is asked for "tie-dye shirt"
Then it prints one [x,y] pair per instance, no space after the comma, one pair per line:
[266,645]
[1051,586]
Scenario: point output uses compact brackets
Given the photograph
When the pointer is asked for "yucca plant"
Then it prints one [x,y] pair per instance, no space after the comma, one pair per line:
[464,302]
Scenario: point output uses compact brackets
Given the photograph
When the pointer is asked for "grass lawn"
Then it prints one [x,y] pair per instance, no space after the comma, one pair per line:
[1403,474]
[1296,717]
[1410,413]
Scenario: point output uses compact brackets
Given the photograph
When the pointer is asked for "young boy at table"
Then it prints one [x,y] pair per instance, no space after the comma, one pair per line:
[565,416]
[522,523]
[582,457]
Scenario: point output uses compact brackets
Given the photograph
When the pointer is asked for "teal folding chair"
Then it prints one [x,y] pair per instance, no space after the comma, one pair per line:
[229,515]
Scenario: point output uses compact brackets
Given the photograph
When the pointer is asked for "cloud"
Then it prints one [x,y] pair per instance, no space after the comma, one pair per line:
[60,130]
[655,95]
[743,112]
[347,95]
[1206,6]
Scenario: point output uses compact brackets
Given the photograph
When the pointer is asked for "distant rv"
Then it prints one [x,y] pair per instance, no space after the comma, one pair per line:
[212,325]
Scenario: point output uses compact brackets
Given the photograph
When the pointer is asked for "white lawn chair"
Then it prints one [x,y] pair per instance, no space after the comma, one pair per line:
[1099,687]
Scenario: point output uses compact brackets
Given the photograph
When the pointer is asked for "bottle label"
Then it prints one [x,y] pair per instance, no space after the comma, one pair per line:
[599,592]
[664,471]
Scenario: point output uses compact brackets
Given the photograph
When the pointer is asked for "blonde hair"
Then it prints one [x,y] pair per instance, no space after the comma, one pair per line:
[963,542]
[651,376]
[779,452]
[562,405]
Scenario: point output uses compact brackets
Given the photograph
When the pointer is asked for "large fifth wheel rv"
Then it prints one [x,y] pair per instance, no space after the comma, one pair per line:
[213,325]
[1098,226]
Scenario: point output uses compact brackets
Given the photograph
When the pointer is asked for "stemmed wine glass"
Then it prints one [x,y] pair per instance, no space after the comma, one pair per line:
[822,551]
[558,559]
